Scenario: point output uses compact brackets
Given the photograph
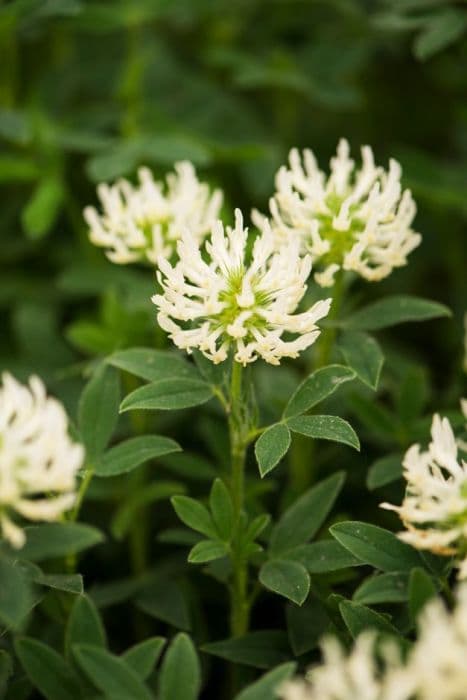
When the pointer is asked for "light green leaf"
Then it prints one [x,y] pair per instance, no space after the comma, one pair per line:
[195,515]
[393,310]
[271,447]
[42,209]
[98,410]
[47,670]
[325,428]
[180,675]
[316,388]
[52,540]
[265,687]
[375,546]
[287,578]
[303,519]
[168,394]
[132,452]
[142,657]
[152,365]
[15,594]
[110,674]
[221,507]
[364,355]
[441,31]
[207,550]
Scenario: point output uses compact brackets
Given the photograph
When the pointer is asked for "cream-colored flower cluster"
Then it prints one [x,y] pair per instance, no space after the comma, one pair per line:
[357,220]
[225,298]
[38,461]
[143,223]
[435,669]
[434,509]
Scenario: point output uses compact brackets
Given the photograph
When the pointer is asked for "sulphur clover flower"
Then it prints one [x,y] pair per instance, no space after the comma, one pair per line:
[357,220]
[434,510]
[144,222]
[224,298]
[435,668]
[38,460]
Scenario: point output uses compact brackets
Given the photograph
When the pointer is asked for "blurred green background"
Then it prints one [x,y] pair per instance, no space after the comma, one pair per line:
[90,90]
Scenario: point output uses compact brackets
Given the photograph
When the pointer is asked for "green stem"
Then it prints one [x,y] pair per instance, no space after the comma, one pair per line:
[240,607]
[328,337]
[72,560]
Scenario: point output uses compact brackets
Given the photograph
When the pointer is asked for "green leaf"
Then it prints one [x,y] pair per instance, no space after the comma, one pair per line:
[98,410]
[264,649]
[84,625]
[375,546]
[70,583]
[52,540]
[132,452]
[165,600]
[442,30]
[384,470]
[142,657]
[152,365]
[180,675]
[358,618]
[264,688]
[195,515]
[47,670]
[325,428]
[303,519]
[15,594]
[221,507]
[6,671]
[110,674]
[139,499]
[207,550]
[316,388]
[168,394]
[383,588]
[287,578]
[364,355]
[306,625]
[393,310]
[271,446]
[41,211]
[421,591]
[323,556]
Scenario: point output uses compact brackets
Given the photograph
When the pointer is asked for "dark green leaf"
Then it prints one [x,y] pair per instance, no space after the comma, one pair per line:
[306,625]
[180,675]
[325,428]
[287,578]
[41,211]
[15,594]
[135,451]
[323,556]
[316,388]
[168,394]
[364,355]
[421,591]
[47,670]
[384,471]
[221,507]
[358,618]
[152,365]
[271,446]
[375,546]
[383,588]
[84,625]
[207,550]
[139,499]
[52,540]
[98,410]
[393,310]
[265,687]
[303,519]
[70,583]
[110,674]
[195,515]
[165,600]
[263,649]
[143,657]
[441,30]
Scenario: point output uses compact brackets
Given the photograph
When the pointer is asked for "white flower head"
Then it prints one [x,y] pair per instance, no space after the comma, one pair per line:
[357,220]
[144,222]
[434,509]
[38,461]
[233,296]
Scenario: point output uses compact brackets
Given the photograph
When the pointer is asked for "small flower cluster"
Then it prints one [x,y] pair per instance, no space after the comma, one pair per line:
[38,461]
[236,301]
[434,509]
[357,220]
[143,223]
[435,669]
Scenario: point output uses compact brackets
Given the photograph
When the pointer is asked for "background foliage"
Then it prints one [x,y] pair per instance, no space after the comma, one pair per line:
[91,90]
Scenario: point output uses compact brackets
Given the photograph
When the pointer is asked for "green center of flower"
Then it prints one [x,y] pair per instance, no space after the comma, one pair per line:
[237,303]
[341,242]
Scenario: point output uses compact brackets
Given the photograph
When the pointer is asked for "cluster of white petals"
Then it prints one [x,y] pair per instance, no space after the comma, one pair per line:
[434,509]
[226,298]
[435,668]
[357,220]
[143,223]
[38,461]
